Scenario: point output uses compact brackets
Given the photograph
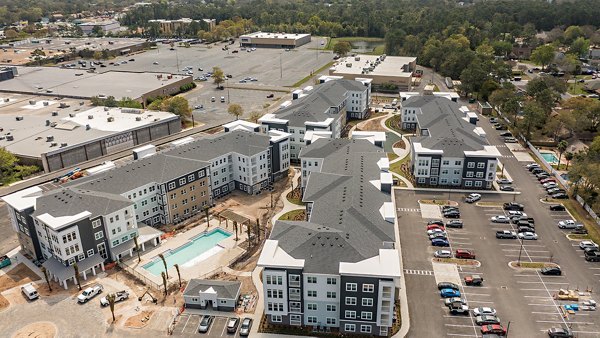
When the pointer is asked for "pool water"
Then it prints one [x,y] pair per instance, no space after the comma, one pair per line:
[196,247]
[550,157]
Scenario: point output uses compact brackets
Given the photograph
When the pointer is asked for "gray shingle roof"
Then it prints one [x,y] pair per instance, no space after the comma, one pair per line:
[207,148]
[71,201]
[224,289]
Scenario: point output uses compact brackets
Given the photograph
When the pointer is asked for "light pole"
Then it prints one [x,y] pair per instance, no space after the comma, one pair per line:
[520,250]
[227,84]
[280,67]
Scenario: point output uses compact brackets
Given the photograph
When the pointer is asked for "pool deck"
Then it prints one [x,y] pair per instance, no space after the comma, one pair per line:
[199,269]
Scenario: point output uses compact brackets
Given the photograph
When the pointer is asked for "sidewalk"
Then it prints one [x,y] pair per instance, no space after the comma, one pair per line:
[287,205]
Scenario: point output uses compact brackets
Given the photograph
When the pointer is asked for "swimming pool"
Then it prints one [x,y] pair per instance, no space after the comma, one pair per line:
[550,158]
[195,248]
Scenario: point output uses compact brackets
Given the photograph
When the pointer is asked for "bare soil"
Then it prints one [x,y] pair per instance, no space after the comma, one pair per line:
[4,303]
[16,276]
[140,320]
[37,330]
[373,124]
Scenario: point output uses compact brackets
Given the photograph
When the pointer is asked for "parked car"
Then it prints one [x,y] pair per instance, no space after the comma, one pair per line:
[579,229]
[510,140]
[555,191]
[119,296]
[504,181]
[560,332]
[513,206]
[90,293]
[435,231]
[205,323]
[448,208]
[549,185]
[465,254]
[592,256]
[245,326]
[270,96]
[442,254]
[232,324]
[4,261]
[480,311]
[473,198]
[506,134]
[438,235]
[523,220]
[459,309]
[493,329]
[500,219]
[551,271]
[440,242]
[548,180]
[506,234]
[507,188]
[435,226]
[30,291]
[493,119]
[528,236]
[487,320]
[587,244]
[446,293]
[567,224]
[525,228]
[449,301]
[447,285]
[473,280]
[560,196]
[532,165]
[455,223]
[557,207]
[436,221]
[452,214]
[516,213]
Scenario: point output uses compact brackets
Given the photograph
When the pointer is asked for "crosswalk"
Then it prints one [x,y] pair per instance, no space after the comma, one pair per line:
[418,272]
[409,209]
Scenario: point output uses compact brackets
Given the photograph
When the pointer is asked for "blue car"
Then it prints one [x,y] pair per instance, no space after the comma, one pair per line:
[440,242]
[448,293]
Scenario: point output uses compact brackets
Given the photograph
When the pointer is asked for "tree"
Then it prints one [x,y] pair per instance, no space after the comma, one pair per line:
[342,48]
[97,31]
[178,273]
[162,257]
[111,303]
[218,76]
[585,110]
[248,226]
[235,110]
[206,209]
[394,39]
[235,228]
[568,156]
[580,47]
[164,278]
[254,116]
[533,115]
[45,272]
[561,147]
[502,48]
[97,55]
[258,229]
[543,55]
[77,278]
[572,33]
[473,77]
[177,105]
[137,247]
[11,34]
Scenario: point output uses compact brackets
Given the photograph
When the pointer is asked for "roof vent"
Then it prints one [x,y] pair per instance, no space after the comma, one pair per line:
[10,138]
[54,113]
[49,138]
[110,119]
[71,114]
[87,127]
[19,118]
[63,145]
[90,117]
[47,123]
[45,103]
[53,144]
[106,109]
[138,118]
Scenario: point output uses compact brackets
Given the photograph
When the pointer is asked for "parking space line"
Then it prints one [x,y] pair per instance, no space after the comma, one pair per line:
[461,335]
[532,304]
[477,294]
[517,250]
[461,317]
[544,313]
[560,322]
[538,282]
[188,319]
[459,325]
[538,290]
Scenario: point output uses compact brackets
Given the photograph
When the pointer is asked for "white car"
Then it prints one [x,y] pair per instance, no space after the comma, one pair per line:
[89,293]
[512,213]
[500,219]
[549,185]
[587,244]
[480,311]
[567,224]
[442,254]
[473,198]
[435,231]
[528,236]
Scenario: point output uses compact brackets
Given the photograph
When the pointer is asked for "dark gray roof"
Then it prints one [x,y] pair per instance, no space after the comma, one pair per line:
[207,148]
[345,223]
[71,201]
[448,130]
[224,289]
[319,100]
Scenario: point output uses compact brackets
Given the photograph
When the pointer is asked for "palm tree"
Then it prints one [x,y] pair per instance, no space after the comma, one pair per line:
[137,247]
[248,232]
[178,273]
[562,146]
[45,272]
[164,278]
[206,210]
[111,303]
[258,229]
[162,257]
[76,268]
[568,156]
[235,228]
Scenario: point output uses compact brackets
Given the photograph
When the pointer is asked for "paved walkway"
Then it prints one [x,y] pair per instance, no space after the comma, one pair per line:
[287,205]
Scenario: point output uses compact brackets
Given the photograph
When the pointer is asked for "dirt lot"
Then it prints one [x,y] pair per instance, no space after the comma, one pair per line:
[371,125]
[37,330]
[140,320]
[3,303]
[18,275]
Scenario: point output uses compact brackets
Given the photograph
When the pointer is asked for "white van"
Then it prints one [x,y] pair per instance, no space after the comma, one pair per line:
[29,291]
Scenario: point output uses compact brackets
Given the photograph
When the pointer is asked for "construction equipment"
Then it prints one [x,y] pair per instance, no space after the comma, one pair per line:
[566,295]
[154,300]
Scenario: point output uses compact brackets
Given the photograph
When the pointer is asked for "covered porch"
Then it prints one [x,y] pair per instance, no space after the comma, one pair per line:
[61,274]
[147,237]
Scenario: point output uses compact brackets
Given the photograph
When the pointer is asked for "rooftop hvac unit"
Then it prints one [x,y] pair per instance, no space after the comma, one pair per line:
[19,118]
[6,99]
[90,117]
[110,119]
[10,138]
[87,127]
[32,102]
[106,109]
[47,123]
[49,138]
[64,105]
[53,124]
[54,113]
[62,145]
[45,103]
[156,119]
[53,144]
[81,103]
[138,118]
[71,115]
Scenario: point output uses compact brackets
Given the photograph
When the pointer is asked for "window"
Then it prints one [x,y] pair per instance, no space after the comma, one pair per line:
[80,257]
[479,175]
[468,183]
[276,318]
[435,162]
[350,327]
[331,308]
[311,320]
[311,293]
[90,252]
[115,242]
[96,223]
[112,220]
[182,181]
[190,178]
[456,171]
[455,163]
[478,183]
[99,235]
[294,280]
[368,287]
[365,328]
[351,287]
[421,180]
[331,281]
[350,300]
[481,165]
[366,315]
[444,181]
[367,302]
[294,294]
[350,314]
[311,307]
[330,321]
[331,294]
[446,162]
[469,174]
[171,185]
[311,280]
[471,165]
[445,172]
[201,174]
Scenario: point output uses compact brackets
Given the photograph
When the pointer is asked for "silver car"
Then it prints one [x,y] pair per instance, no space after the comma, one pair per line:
[443,254]
[245,327]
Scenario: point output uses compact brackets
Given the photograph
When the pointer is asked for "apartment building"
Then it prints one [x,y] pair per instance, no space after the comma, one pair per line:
[339,268]
[320,109]
[449,150]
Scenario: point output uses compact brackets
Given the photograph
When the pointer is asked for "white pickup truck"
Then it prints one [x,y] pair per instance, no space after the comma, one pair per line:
[89,293]
[119,296]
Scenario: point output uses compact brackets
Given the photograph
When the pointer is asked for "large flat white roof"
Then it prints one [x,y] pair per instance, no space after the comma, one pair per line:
[390,66]
[267,35]
[23,199]
[387,264]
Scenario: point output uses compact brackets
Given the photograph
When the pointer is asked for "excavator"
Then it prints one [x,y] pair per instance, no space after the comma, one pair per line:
[154,300]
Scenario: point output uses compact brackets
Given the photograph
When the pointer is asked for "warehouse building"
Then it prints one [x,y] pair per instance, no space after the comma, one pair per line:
[383,70]
[274,40]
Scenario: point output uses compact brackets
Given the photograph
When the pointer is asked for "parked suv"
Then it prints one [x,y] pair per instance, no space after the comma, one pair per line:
[506,234]
[513,206]
[465,254]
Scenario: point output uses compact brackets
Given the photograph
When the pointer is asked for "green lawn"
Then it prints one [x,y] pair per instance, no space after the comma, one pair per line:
[576,88]
[294,197]
[308,77]
[392,123]
[582,216]
[392,156]
[291,215]
[397,166]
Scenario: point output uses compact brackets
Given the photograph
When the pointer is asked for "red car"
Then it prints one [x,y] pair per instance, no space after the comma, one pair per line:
[546,180]
[435,226]
[493,329]
[465,254]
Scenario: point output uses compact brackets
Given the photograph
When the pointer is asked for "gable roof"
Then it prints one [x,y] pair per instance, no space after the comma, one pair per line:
[224,289]
[70,201]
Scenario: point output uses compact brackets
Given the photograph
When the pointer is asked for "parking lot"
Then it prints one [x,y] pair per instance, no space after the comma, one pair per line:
[187,326]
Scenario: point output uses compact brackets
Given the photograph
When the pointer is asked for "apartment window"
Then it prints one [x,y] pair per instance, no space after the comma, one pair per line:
[455,181]
[330,321]
[331,294]
[367,302]
[481,165]
[190,178]
[365,328]
[311,320]
[456,171]
[311,280]
[171,185]
[331,308]
[201,174]
[445,172]
[457,162]
[276,318]
[445,162]
[311,307]
[294,294]
[173,196]
[90,252]
[351,287]
[99,235]
[368,287]
[294,280]
[435,162]
[124,239]
[331,281]
[478,183]
[80,257]
[112,220]
[115,242]
[479,175]
[182,181]
[471,165]
[421,180]
[468,183]
[96,223]
[350,327]
[311,293]
[350,314]
[350,300]
[366,315]
[469,174]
